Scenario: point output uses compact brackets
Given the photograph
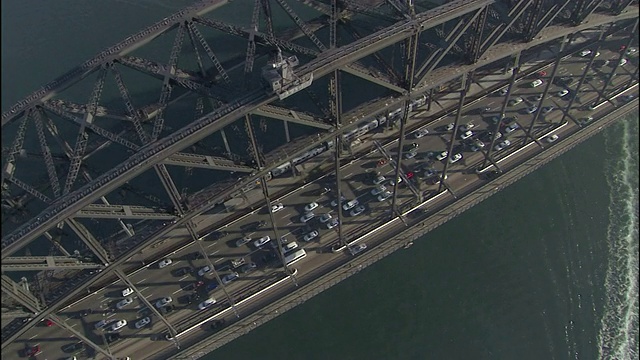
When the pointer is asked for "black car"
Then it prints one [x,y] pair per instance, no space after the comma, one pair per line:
[216,235]
[196,255]
[184,271]
[112,337]
[247,268]
[73,348]
[217,325]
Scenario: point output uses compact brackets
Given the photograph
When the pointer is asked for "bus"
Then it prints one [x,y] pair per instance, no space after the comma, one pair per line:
[295,256]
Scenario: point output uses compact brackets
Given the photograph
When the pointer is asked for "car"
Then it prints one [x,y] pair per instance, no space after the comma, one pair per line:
[237,262]
[47,322]
[211,286]
[196,255]
[465,135]
[536,83]
[142,322]
[552,138]
[164,263]
[584,53]
[495,119]
[351,204]
[393,183]
[623,62]
[531,109]
[102,323]
[443,155]
[485,109]
[263,240]
[504,91]
[410,147]
[334,203]
[626,98]
[164,302]
[126,292]
[429,172]
[333,223]
[631,50]
[247,268]
[547,109]
[455,158]
[277,207]
[511,128]
[537,97]
[111,338]
[306,217]
[310,207]
[515,101]
[541,73]
[31,351]
[229,278]
[378,180]
[119,324]
[243,241]
[289,246]
[563,92]
[585,120]
[378,189]
[124,302]
[384,196]
[183,271]
[207,303]
[420,133]
[325,217]
[477,145]
[204,270]
[355,250]
[467,126]
[310,236]
[357,211]
[450,126]
[410,155]
[73,347]
[488,136]
[502,145]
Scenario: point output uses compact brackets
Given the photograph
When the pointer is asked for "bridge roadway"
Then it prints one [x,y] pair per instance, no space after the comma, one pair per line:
[323,65]
[155,283]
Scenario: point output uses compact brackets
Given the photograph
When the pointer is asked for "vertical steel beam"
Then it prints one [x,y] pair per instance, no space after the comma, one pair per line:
[335,105]
[333,25]
[251,44]
[475,50]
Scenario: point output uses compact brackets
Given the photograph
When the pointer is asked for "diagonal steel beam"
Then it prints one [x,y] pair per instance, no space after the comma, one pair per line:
[283,4]
[366,74]
[293,116]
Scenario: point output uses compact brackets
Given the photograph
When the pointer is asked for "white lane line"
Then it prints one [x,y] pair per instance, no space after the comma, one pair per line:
[143,289]
[184,277]
[215,252]
[217,261]
[74,325]
[177,291]
[139,281]
[210,245]
[175,262]
[34,336]
[113,314]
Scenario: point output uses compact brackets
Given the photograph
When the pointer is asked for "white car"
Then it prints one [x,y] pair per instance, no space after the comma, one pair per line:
[263,240]
[164,263]
[477,145]
[289,246]
[442,155]
[124,302]
[229,278]
[142,322]
[531,109]
[502,145]
[511,128]
[623,62]
[355,250]
[334,203]
[584,53]
[450,126]
[333,223]
[325,217]
[410,155]
[455,158]
[562,93]
[552,138]
[515,101]
[503,91]
[164,302]
[306,217]
[117,325]
[351,204]
[205,304]
[547,109]
[378,190]
[277,207]
[465,135]
[310,236]
[357,211]
[420,133]
[204,270]
[536,83]
[467,126]
[378,180]
[310,207]
[244,240]
[384,196]
[537,97]
[126,292]
[393,183]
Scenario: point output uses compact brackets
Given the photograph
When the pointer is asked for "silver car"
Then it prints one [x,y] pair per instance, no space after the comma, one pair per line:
[357,211]
[142,322]
[306,217]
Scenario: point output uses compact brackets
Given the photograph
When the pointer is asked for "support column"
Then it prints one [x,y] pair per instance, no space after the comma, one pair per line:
[335,105]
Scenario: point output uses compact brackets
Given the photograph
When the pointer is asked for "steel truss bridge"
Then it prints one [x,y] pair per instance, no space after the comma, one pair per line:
[106,159]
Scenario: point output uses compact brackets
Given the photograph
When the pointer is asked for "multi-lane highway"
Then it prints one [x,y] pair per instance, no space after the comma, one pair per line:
[181,281]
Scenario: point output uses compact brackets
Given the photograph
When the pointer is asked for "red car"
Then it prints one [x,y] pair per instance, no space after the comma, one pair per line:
[30,351]
[47,322]
[542,73]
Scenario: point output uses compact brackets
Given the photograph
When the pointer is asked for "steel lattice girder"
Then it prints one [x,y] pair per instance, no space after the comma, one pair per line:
[325,64]
[329,61]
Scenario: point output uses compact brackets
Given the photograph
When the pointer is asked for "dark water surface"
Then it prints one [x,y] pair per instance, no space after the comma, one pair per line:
[546,269]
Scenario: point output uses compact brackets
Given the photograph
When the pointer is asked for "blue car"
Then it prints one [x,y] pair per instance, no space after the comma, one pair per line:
[212,286]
